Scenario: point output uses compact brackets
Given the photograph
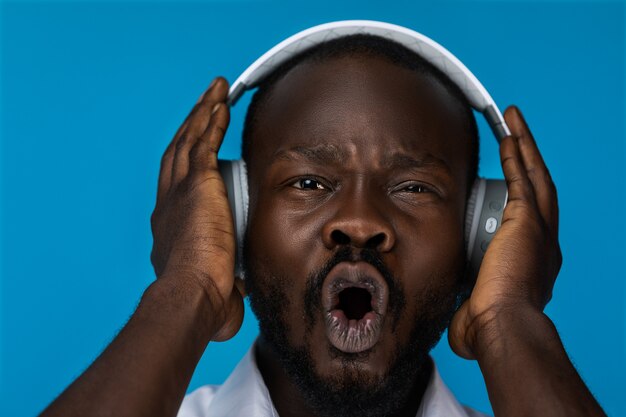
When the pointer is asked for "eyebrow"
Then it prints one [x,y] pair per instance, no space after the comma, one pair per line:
[404,161]
[320,154]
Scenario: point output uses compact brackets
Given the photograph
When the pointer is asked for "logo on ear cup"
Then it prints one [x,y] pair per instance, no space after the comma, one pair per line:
[491,225]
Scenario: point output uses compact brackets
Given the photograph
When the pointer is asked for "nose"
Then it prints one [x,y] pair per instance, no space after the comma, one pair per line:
[359,223]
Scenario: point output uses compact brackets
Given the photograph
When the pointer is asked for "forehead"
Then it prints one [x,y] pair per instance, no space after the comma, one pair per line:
[361,104]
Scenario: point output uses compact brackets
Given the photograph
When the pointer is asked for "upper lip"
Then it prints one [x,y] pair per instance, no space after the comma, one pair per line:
[359,275]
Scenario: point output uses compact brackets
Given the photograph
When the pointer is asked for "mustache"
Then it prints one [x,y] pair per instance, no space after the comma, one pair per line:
[313,292]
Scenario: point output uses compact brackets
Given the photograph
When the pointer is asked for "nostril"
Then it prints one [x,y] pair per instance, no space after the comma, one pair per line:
[339,237]
[375,241]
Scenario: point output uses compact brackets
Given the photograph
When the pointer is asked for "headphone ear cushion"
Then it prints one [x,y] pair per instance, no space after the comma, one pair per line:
[235,179]
[470,209]
[473,209]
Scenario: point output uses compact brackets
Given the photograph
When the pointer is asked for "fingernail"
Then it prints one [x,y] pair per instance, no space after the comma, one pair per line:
[216,108]
[206,91]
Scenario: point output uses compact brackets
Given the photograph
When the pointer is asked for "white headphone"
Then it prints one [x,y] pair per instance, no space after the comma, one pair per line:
[488,197]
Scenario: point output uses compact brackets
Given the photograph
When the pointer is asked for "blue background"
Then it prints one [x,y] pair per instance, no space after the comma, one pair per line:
[92,92]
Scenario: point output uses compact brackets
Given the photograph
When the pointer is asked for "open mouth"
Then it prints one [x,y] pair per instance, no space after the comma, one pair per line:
[355,302]
[354,297]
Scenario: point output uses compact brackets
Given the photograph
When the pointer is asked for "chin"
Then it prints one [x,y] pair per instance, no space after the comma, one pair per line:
[370,364]
[376,382]
[378,379]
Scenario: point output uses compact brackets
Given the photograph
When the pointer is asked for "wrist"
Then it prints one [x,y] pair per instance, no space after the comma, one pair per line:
[492,332]
[178,300]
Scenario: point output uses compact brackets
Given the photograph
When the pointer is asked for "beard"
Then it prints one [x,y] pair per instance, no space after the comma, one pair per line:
[352,391]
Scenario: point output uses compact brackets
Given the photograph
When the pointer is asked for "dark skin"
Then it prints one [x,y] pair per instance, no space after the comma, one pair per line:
[413,215]
[384,176]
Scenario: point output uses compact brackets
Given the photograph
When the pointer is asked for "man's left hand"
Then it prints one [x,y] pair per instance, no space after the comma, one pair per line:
[524,257]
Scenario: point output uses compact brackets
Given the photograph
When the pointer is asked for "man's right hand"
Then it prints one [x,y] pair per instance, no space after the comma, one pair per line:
[192,225]
[146,369]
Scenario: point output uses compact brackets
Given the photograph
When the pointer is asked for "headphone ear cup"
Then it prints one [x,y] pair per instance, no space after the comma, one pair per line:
[483,218]
[235,179]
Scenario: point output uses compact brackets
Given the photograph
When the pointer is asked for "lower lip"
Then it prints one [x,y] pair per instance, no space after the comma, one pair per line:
[353,336]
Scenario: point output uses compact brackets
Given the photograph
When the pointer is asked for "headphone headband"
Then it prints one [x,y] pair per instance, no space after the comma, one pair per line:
[428,49]
[488,197]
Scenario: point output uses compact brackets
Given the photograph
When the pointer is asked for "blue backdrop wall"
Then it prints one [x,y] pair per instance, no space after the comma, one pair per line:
[92,92]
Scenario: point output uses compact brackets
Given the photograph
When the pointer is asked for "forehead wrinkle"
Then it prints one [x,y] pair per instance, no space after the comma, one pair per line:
[320,154]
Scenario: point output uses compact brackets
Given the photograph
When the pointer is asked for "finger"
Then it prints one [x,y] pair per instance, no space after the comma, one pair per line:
[165,171]
[196,125]
[216,94]
[457,332]
[520,189]
[204,153]
[536,169]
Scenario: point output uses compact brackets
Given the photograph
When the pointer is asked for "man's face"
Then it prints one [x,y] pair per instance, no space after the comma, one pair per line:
[355,252]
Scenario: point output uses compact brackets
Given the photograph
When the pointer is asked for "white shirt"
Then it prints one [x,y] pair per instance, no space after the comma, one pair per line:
[244,394]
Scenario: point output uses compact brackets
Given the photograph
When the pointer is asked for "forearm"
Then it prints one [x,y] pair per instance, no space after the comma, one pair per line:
[527,370]
[145,371]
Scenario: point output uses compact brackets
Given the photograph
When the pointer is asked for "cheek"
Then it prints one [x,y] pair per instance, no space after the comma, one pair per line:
[290,242]
[431,243]
[286,248]
[431,265]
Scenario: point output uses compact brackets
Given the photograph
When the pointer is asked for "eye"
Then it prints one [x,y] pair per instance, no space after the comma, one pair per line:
[414,193]
[308,184]
[416,188]
[412,187]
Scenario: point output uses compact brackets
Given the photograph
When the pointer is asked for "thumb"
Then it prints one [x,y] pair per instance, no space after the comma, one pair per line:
[457,332]
[234,317]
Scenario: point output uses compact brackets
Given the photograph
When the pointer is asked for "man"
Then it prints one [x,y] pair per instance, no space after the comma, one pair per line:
[360,158]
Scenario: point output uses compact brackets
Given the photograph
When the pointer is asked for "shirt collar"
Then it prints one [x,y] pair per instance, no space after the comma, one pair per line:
[244,394]
[438,401]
